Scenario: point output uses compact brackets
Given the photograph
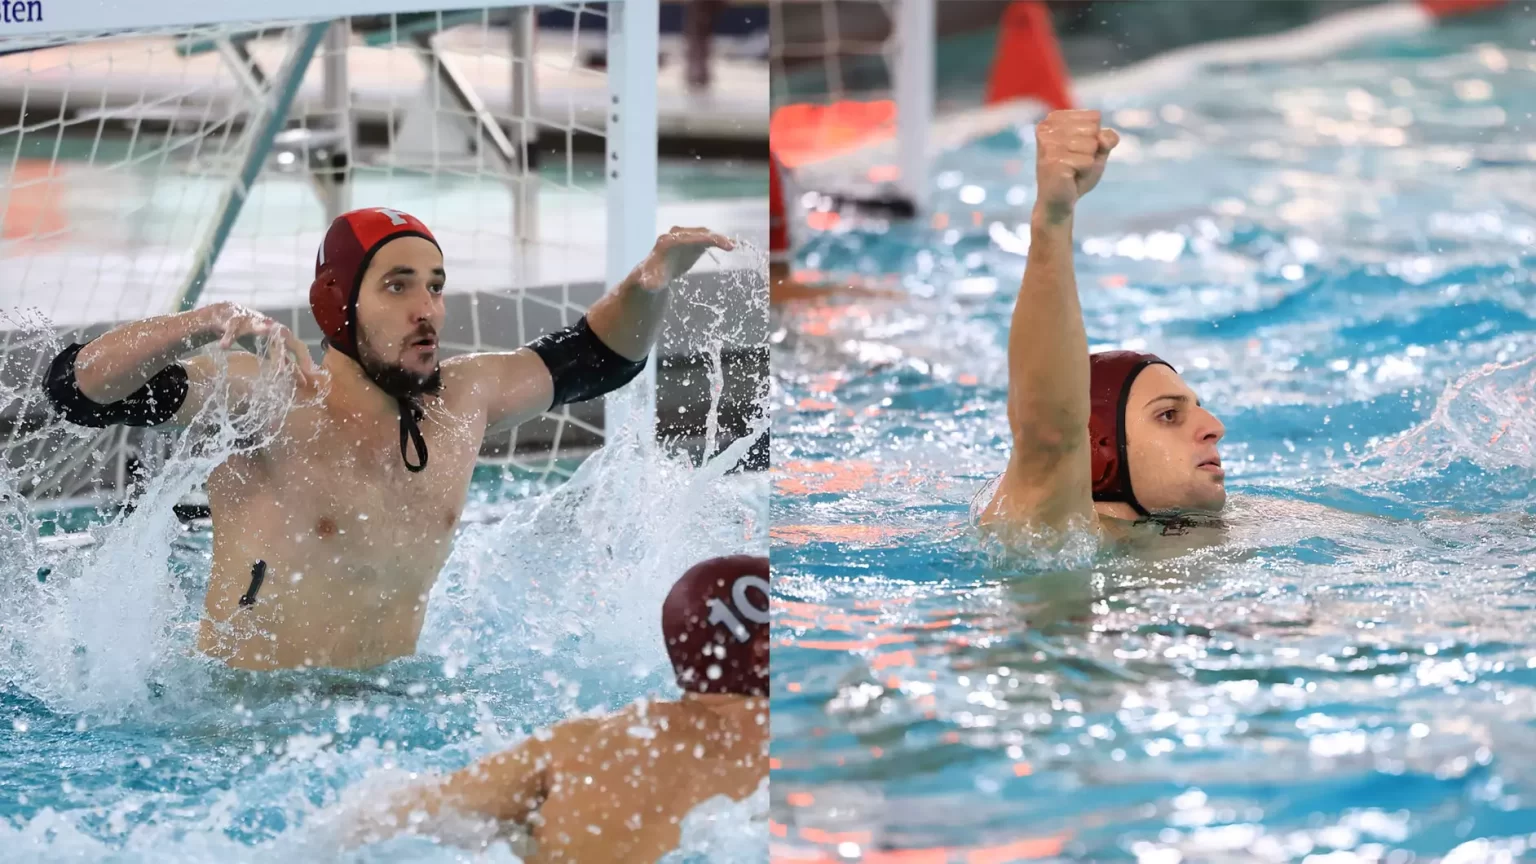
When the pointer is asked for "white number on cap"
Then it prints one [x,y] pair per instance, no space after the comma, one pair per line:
[395,216]
[744,605]
[719,613]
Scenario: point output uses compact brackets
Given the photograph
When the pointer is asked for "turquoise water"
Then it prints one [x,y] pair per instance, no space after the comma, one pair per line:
[1338,255]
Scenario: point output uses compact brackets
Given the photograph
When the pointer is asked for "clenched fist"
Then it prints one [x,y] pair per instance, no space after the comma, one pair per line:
[1071,149]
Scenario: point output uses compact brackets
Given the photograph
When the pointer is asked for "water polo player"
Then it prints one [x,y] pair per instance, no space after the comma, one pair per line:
[328,538]
[617,788]
[1116,435]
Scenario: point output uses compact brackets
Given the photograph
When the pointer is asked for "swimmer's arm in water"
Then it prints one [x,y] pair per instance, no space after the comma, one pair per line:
[505,787]
[603,352]
[121,362]
[1047,481]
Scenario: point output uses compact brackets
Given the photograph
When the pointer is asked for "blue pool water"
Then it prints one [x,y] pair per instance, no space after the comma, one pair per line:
[118,743]
[1338,256]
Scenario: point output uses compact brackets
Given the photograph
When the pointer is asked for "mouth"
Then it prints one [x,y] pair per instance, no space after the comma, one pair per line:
[1212,465]
[425,343]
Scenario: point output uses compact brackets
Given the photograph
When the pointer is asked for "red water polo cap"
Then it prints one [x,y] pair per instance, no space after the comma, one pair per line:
[350,243]
[1111,374]
[715,622]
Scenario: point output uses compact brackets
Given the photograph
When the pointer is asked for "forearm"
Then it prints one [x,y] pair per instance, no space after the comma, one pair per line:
[371,820]
[122,360]
[1048,378]
[628,318]
[498,787]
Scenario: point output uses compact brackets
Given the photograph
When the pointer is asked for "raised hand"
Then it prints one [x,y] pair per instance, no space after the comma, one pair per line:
[675,253]
[233,321]
[1072,150]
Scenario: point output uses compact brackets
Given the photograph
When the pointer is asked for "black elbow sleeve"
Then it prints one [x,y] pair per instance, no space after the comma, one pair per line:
[581,366]
[155,403]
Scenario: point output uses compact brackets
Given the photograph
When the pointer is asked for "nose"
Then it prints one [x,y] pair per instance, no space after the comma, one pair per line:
[1210,429]
[428,307]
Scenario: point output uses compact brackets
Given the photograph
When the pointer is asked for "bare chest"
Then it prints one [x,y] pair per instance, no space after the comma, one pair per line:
[345,485]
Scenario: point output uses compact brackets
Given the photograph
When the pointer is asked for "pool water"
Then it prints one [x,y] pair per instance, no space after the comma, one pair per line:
[118,743]
[1338,256]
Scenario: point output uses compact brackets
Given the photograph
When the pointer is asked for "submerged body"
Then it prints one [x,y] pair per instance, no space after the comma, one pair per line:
[606,789]
[617,788]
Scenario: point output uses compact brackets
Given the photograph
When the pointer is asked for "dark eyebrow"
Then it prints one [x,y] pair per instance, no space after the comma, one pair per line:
[1171,397]
[402,270]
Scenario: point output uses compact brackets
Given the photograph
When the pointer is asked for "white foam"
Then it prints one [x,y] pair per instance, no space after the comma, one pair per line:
[722,831]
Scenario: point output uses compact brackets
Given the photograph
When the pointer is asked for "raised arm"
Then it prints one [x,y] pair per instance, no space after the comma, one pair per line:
[602,352]
[1047,482]
[628,317]
[130,375]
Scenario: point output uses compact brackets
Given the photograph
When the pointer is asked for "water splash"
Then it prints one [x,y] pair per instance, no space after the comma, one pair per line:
[1484,417]
[722,831]
[90,627]
[551,608]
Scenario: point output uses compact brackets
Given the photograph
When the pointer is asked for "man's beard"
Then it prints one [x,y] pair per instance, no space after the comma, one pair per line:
[396,380]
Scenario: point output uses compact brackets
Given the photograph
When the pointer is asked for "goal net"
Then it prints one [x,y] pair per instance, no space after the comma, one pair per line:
[153,167]
[852,96]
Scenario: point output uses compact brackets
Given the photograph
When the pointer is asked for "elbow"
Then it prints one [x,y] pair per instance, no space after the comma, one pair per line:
[1049,442]
[65,391]
[155,403]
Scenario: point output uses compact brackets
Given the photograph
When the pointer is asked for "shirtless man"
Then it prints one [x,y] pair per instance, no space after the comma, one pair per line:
[328,538]
[1150,448]
[617,788]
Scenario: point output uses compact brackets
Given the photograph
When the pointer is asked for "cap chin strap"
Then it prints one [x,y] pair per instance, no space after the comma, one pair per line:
[1124,446]
[410,415]
[1129,499]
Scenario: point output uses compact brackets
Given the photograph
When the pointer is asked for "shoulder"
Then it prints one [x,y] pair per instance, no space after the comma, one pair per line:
[1012,503]
[473,370]
[580,732]
[511,386]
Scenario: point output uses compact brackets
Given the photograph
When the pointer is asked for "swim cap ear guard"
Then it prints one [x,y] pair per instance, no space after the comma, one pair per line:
[349,246]
[715,622]
[1111,374]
